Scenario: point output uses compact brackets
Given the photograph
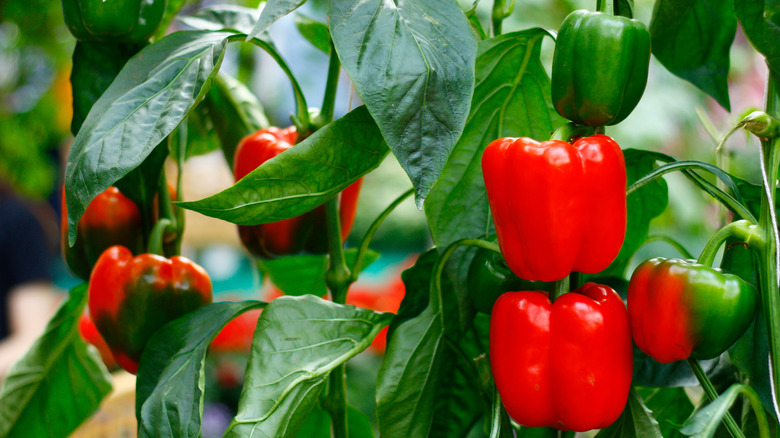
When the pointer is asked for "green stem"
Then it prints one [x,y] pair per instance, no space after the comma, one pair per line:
[560,287]
[741,229]
[671,242]
[606,6]
[496,414]
[438,268]
[501,10]
[768,255]
[571,131]
[301,117]
[363,249]
[712,394]
[180,158]
[338,279]
[157,238]
[331,86]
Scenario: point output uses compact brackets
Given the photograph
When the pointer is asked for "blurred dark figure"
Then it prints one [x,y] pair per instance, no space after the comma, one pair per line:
[28,297]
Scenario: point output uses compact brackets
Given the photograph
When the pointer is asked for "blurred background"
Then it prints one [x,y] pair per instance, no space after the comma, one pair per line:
[35,114]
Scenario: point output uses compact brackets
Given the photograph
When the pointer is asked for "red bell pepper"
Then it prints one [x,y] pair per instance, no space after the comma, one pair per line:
[110,219]
[557,207]
[130,298]
[566,364]
[305,233]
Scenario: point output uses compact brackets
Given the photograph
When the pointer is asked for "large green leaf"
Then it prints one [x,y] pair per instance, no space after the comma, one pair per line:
[58,383]
[152,94]
[223,17]
[635,421]
[169,390]
[670,407]
[305,274]
[760,20]
[692,39]
[303,177]
[317,424]
[511,99]
[706,421]
[412,62]
[298,342]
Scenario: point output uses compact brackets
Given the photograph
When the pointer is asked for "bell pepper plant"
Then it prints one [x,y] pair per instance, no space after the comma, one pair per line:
[681,309]
[557,207]
[565,364]
[130,298]
[305,233]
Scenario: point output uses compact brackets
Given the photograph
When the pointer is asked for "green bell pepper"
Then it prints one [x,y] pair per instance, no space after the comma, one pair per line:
[680,309]
[600,65]
[489,277]
[119,21]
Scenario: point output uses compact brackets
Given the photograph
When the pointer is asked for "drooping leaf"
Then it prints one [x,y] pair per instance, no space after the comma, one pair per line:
[412,62]
[511,99]
[272,11]
[170,386]
[760,19]
[149,98]
[298,342]
[235,111]
[692,39]
[705,421]
[303,177]
[635,421]
[315,32]
[670,408]
[224,17]
[95,65]
[58,383]
[305,274]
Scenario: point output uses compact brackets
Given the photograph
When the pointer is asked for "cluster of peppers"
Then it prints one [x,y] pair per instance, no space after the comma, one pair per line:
[565,359]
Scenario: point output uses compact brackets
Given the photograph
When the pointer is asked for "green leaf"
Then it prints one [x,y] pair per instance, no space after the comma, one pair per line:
[271,12]
[58,383]
[235,111]
[635,421]
[142,184]
[169,390]
[705,422]
[305,274]
[760,20]
[223,17]
[317,424]
[692,39]
[670,407]
[95,65]
[152,94]
[511,99]
[643,205]
[303,177]
[172,8]
[298,342]
[412,62]
[649,372]
[315,32]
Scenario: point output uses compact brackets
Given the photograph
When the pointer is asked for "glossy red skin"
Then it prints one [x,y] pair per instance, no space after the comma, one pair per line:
[557,207]
[130,298]
[237,335]
[110,219]
[305,233]
[566,364]
[90,333]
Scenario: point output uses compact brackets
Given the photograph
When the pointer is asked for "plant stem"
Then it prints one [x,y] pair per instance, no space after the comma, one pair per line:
[157,236]
[361,254]
[768,254]
[712,394]
[560,287]
[741,229]
[329,100]
[571,131]
[338,279]
[606,6]
[501,10]
[496,414]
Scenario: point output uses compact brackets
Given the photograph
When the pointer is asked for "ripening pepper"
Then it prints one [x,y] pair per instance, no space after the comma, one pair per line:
[130,298]
[119,21]
[681,309]
[110,219]
[489,277]
[557,207]
[600,65]
[566,364]
[306,233]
